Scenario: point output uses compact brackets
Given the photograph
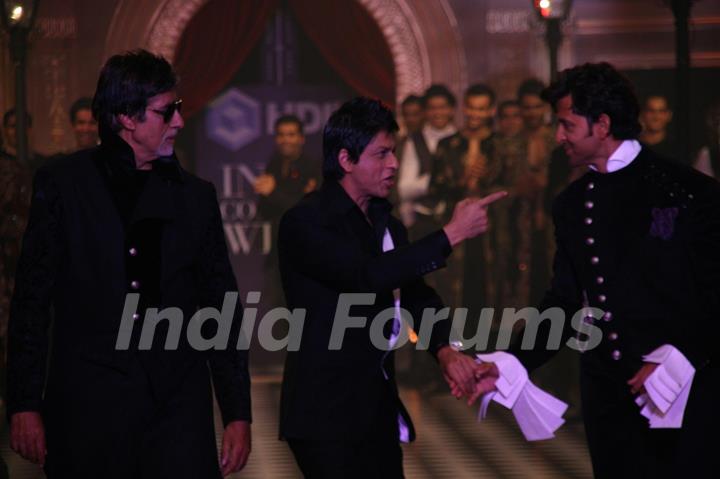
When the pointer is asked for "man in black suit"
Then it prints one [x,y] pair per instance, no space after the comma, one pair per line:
[340,411]
[106,222]
[637,237]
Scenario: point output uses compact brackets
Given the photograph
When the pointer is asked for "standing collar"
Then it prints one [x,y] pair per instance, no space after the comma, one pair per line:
[120,158]
[622,156]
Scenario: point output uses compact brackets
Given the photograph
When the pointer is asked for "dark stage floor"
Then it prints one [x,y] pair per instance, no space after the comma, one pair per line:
[450,444]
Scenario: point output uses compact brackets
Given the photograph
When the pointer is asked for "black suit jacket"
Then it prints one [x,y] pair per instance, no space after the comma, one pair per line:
[650,256]
[326,248]
[643,245]
[76,261]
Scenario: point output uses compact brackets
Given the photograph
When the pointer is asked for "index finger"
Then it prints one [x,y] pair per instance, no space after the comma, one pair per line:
[492,198]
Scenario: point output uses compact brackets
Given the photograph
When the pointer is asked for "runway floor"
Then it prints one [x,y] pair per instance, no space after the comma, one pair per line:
[450,443]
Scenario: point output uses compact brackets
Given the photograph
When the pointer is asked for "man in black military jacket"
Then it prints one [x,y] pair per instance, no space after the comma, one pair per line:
[105,222]
[340,409]
[638,238]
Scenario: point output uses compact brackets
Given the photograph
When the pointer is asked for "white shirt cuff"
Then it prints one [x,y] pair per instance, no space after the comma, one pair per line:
[667,388]
[537,413]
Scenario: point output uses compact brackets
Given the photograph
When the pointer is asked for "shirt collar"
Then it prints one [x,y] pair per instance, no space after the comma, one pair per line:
[622,156]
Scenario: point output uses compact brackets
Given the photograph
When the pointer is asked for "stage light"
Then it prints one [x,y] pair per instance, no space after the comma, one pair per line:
[18,13]
[18,17]
[552,13]
[548,9]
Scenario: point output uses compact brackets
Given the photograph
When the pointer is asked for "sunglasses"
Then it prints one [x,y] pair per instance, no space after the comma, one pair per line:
[168,112]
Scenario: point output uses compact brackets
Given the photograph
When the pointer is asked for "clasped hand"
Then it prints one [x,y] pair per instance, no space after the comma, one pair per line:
[464,376]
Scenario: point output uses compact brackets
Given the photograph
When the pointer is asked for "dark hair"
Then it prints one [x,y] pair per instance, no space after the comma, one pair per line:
[410,99]
[531,86]
[352,127]
[646,99]
[598,88]
[480,89]
[11,114]
[439,90]
[82,103]
[289,119]
[507,104]
[126,83]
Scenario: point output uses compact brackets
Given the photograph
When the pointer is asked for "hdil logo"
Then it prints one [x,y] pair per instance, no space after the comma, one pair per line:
[233,120]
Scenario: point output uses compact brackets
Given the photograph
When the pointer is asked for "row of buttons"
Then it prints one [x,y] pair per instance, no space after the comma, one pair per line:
[134,284]
[595,260]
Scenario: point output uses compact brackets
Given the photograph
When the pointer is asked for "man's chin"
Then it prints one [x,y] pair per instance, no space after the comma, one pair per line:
[383,193]
[166,151]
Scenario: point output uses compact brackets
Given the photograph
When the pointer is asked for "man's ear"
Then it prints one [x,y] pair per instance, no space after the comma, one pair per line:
[127,122]
[345,161]
[602,126]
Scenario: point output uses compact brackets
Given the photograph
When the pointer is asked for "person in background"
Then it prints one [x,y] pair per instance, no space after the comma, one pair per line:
[416,210]
[708,158]
[464,165]
[510,146]
[539,137]
[510,119]
[9,146]
[540,144]
[288,176]
[15,193]
[83,124]
[413,114]
[655,117]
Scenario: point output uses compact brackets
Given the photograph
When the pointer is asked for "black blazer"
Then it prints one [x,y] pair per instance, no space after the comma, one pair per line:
[326,248]
[76,261]
[644,244]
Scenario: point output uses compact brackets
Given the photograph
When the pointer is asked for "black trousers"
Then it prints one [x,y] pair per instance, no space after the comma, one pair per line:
[376,456]
[369,458]
[622,444]
[110,424]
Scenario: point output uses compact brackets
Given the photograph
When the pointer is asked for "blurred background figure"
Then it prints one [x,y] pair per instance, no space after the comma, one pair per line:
[413,114]
[416,163]
[511,152]
[655,117]
[540,137]
[708,158]
[510,119]
[288,176]
[9,146]
[15,192]
[84,125]
[463,166]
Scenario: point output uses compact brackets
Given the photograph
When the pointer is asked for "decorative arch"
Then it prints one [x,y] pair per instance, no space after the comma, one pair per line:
[424,42]
[422,36]
[159,29]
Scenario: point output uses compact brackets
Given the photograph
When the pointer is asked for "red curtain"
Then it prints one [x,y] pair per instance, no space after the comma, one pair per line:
[216,41]
[351,42]
[221,35]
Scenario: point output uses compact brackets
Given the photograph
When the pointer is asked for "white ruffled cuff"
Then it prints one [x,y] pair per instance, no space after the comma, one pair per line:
[537,413]
[667,388]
